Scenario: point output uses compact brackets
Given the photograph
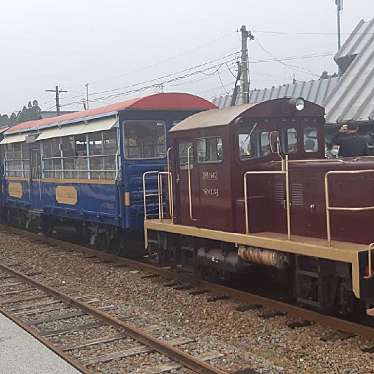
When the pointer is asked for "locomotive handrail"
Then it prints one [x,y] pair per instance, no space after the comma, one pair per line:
[189,182]
[160,190]
[159,193]
[334,208]
[170,185]
[285,172]
[145,195]
[370,270]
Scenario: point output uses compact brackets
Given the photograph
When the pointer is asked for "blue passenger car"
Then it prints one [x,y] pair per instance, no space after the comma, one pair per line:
[83,170]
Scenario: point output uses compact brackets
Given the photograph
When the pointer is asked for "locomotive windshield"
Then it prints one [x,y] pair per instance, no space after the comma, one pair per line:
[145,139]
[253,143]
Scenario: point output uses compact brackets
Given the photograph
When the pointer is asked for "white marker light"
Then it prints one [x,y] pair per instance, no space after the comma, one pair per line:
[300,104]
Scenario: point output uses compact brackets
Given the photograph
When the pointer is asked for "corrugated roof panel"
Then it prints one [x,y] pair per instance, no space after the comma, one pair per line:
[353,45]
[314,91]
[352,99]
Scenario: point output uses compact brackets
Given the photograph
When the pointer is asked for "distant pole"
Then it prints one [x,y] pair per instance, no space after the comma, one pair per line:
[244,79]
[87,104]
[339,8]
[57,91]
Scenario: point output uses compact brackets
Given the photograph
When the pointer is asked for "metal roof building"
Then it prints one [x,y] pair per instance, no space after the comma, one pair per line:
[315,91]
[347,98]
[353,98]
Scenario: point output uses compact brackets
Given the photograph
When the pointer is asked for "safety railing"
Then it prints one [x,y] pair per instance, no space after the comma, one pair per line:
[159,194]
[370,270]
[344,209]
[285,172]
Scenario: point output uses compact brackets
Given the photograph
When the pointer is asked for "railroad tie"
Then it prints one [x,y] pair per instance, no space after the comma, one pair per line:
[213,299]
[272,314]
[298,324]
[199,292]
[337,336]
[248,307]
[132,352]
[175,366]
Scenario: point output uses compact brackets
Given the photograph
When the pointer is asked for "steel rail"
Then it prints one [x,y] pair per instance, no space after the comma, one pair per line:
[141,336]
[34,332]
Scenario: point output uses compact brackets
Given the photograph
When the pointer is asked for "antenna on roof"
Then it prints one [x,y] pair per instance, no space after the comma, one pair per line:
[339,9]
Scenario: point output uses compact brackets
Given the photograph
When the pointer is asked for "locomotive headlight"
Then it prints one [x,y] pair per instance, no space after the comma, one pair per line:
[300,104]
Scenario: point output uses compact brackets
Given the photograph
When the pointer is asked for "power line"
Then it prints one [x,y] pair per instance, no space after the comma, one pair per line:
[200,46]
[281,61]
[93,94]
[311,33]
[155,83]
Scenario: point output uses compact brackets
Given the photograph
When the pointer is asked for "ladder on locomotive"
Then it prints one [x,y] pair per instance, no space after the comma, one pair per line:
[154,187]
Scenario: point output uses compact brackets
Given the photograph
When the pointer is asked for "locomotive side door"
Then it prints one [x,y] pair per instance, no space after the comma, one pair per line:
[213,183]
[187,184]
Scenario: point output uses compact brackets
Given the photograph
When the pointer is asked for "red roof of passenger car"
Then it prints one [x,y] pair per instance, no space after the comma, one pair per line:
[160,101]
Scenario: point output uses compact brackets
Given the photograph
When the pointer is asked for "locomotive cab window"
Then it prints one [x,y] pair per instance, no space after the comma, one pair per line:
[264,144]
[253,142]
[310,140]
[209,150]
[289,140]
[145,139]
[183,155]
[247,143]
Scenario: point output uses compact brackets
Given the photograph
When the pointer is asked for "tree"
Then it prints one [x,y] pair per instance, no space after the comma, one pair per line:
[4,120]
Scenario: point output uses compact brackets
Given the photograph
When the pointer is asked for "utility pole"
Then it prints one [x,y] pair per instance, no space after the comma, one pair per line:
[87,105]
[57,91]
[244,79]
[339,8]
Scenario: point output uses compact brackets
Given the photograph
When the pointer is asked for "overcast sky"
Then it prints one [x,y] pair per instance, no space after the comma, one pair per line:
[114,44]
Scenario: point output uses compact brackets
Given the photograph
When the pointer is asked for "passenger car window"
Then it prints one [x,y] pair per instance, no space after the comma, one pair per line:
[310,140]
[209,150]
[183,155]
[145,139]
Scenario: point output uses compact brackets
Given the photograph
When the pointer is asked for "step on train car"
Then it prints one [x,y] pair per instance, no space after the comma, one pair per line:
[249,188]
[82,172]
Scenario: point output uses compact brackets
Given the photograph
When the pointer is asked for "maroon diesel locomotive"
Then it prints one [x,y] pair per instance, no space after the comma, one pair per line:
[249,187]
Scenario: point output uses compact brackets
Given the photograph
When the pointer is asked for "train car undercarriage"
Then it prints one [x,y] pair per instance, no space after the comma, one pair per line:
[301,270]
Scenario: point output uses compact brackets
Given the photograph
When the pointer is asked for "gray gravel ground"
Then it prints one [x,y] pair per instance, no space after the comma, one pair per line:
[244,338]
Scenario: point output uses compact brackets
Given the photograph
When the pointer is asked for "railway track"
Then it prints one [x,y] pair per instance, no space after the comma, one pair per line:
[182,280]
[295,316]
[33,304]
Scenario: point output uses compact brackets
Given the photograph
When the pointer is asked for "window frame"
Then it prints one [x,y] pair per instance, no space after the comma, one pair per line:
[285,142]
[210,161]
[254,128]
[184,166]
[316,139]
[144,158]
[77,173]
[23,169]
